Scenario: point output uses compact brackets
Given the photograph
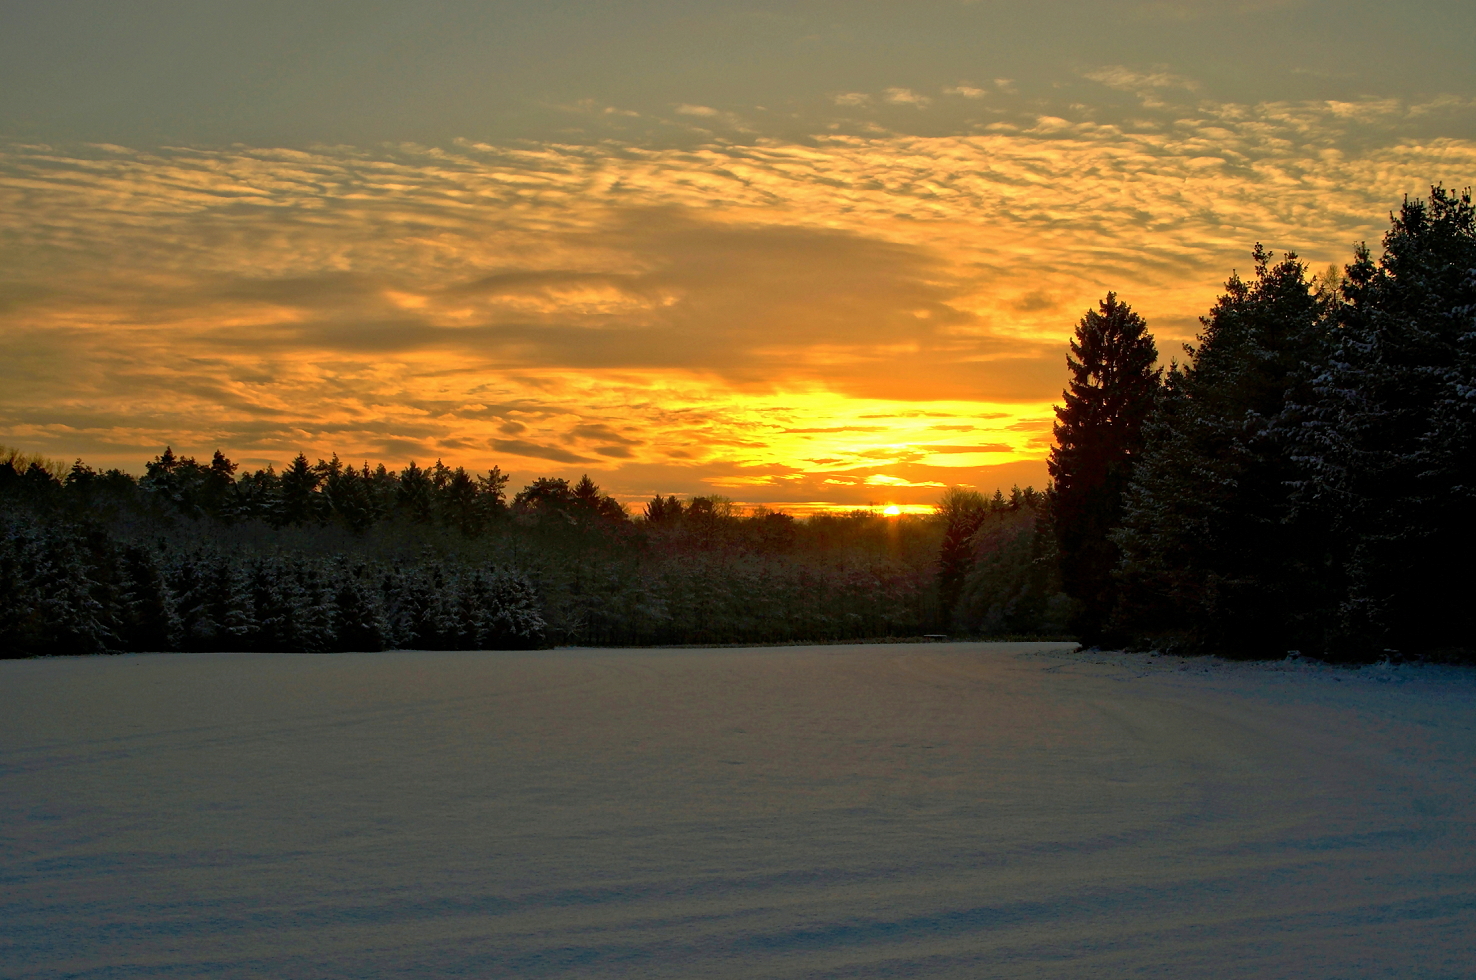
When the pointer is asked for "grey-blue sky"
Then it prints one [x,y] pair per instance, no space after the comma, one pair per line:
[364,71]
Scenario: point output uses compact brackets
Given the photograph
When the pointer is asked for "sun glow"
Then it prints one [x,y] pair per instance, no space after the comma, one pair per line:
[797,327]
[892,510]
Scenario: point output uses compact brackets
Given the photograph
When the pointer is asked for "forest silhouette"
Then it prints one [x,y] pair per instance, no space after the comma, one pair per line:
[1302,482]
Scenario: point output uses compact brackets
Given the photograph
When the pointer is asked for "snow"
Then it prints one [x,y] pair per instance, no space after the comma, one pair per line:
[939,810]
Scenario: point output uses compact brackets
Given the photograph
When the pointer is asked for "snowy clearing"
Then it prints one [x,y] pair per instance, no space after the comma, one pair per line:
[949,810]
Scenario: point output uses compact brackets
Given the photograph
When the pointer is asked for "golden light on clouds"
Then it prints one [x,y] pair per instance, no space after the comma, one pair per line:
[849,320]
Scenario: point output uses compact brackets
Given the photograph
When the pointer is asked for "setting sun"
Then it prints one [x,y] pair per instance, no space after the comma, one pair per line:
[891,510]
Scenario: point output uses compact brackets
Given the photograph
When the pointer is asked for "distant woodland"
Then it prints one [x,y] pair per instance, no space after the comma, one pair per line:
[319,557]
[1302,481]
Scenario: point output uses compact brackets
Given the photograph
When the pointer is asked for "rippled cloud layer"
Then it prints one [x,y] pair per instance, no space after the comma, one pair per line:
[853,318]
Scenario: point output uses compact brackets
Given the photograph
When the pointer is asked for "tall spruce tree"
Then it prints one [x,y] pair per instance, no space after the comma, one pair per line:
[1212,552]
[1099,433]
[1391,434]
[300,502]
[415,494]
[217,486]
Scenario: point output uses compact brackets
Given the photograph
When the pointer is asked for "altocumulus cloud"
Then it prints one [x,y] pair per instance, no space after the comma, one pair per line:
[653,313]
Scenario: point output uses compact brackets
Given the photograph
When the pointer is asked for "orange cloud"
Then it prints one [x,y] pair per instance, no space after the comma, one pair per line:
[774,316]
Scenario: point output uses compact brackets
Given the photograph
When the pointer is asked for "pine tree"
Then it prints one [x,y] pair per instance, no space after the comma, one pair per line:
[51,598]
[215,607]
[73,592]
[160,475]
[492,494]
[962,512]
[217,488]
[662,509]
[1012,586]
[546,499]
[275,603]
[1390,437]
[300,499]
[1161,523]
[383,487]
[586,493]
[1099,434]
[415,494]
[258,496]
[146,615]
[346,494]
[1211,547]
[359,623]
[187,485]
[315,608]
[461,504]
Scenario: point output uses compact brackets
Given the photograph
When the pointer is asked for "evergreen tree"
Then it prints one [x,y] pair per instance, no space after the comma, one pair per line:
[546,499]
[1162,522]
[159,474]
[962,512]
[590,505]
[80,478]
[347,494]
[461,504]
[317,630]
[217,487]
[72,596]
[258,496]
[662,509]
[215,606]
[19,623]
[587,493]
[492,490]
[190,487]
[415,495]
[358,619]
[1210,546]
[52,599]
[1391,433]
[300,502]
[146,616]
[276,605]
[1099,434]
[440,477]
[1012,584]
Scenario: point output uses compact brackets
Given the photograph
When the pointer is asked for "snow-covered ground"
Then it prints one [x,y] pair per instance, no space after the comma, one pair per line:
[952,810]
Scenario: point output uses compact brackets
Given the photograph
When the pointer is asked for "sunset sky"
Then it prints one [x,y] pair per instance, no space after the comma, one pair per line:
[802,253]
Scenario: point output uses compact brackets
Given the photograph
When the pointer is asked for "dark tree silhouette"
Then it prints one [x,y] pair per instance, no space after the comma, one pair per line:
[962,511]
[1099,433]
[1210,547]
[217,486]
[493,488]
[544,498]
[1392,432]
[348,494]
[255,496]
[662,509]
[299,503]
[461,504]
[167,477]
[416,493]
[1011,581]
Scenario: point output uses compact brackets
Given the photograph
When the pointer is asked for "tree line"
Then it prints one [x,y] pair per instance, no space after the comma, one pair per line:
[324,556]
[1304,479]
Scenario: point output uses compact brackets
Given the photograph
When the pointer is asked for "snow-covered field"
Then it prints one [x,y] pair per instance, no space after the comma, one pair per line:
[952,810]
